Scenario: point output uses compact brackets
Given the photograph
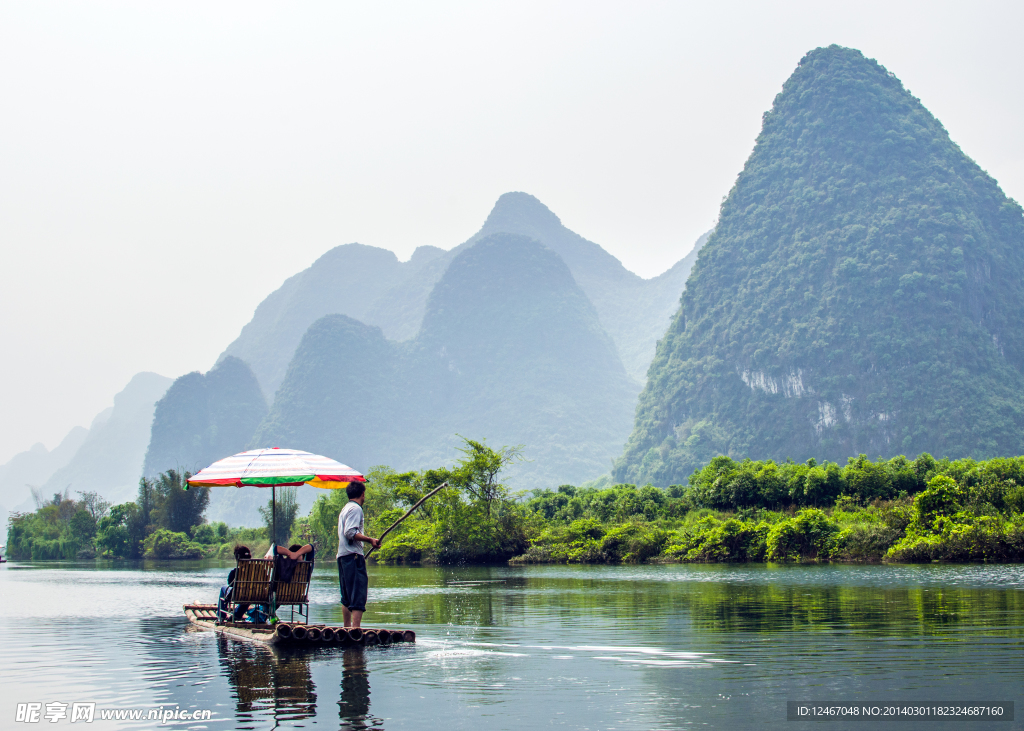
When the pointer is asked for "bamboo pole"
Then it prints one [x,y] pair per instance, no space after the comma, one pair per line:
[409,512]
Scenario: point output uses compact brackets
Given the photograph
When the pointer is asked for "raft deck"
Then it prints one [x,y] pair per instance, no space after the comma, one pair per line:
[295,633]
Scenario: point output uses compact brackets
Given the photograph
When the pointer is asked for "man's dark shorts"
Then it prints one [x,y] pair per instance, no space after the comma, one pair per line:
[353,580]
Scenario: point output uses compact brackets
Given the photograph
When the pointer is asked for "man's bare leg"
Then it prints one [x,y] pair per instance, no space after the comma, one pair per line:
[346,615]
[357,618]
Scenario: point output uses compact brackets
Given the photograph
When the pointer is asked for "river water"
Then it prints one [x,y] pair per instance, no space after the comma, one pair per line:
[643,647]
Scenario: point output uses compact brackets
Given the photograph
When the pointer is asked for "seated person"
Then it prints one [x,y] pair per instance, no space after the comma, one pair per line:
[294,552]
[304,553]
[241,552]
[286,558]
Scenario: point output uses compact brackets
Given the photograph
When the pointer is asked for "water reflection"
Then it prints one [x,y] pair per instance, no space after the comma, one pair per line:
[354,705]
[492,597]
[507,647]
[265,681]
[278,683]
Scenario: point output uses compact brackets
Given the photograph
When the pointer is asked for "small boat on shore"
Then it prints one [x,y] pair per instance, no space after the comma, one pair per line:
[295,633]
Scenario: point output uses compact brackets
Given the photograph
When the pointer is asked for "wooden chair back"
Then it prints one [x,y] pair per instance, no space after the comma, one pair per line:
[253,581]
[295,591]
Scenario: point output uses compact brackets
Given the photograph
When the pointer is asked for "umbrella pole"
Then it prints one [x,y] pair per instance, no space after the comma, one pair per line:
[273,543]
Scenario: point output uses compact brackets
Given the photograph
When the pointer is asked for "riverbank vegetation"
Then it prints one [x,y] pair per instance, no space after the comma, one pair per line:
[884,510]
[165,521]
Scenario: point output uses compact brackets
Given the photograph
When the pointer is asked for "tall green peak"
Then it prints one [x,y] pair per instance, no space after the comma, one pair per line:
[862,292]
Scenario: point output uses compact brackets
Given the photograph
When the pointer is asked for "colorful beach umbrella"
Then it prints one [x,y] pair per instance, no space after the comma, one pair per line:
[273,467]
[276,467]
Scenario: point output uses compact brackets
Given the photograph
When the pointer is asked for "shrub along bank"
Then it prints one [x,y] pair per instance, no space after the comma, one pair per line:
[894,510]
[473,520]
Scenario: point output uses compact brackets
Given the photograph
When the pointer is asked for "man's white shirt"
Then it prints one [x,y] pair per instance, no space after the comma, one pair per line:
[350,522]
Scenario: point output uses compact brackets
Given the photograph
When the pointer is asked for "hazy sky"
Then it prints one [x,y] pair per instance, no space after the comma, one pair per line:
[164,166]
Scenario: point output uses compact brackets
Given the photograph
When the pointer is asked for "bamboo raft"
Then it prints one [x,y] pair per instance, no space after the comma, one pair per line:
[295,633]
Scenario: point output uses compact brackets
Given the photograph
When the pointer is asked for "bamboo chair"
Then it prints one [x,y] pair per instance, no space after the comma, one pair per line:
[295,593]
[253,583]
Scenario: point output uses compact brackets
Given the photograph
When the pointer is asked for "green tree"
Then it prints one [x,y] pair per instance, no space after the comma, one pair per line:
[120,533]
[477,474]
[943,497]
[178,506]
[165,544]
[94,504]
[146,500]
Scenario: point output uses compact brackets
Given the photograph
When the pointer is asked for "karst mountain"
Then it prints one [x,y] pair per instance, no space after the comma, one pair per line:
[862,292]
[510,349]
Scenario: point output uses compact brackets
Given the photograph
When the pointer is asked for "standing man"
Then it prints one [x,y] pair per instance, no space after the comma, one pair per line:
[351,564]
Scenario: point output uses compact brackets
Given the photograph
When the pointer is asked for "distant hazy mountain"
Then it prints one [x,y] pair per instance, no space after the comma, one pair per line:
[862,292]
[371,285]
[203,418]
[34,468]
[510,349]
[109,460]
[353,280]
[634,311]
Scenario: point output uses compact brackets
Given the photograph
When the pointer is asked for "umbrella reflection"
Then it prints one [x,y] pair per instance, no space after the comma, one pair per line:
[354,706]
[265,681]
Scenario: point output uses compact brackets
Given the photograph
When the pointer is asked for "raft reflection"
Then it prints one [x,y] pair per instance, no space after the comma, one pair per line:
[265,681]
[279,683]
